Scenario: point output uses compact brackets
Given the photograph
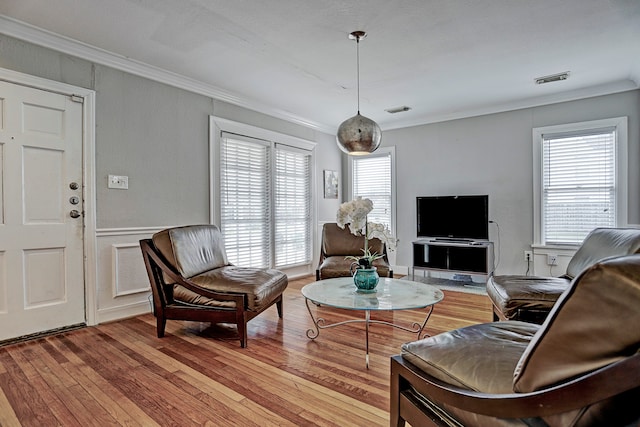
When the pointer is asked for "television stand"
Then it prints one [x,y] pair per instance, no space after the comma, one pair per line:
[463,257]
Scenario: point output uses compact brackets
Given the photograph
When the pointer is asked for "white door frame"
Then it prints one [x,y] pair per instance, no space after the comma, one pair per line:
[88,170]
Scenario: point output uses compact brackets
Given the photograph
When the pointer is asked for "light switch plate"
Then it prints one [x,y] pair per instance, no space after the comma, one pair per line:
[120,182]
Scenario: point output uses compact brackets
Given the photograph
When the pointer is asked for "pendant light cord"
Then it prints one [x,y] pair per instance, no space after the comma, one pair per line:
[358,69]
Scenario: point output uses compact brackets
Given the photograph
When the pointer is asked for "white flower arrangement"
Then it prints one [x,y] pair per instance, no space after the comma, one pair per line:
[354,213]
[380,231]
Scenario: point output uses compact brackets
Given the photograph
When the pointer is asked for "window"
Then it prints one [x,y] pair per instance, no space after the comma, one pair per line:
[581,182]
[292,207]
[264,196]
[372,177]
[245,200]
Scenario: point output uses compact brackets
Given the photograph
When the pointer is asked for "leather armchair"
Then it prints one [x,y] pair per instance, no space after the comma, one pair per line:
[338,243]
[580,368]
[530,298]
[191,279]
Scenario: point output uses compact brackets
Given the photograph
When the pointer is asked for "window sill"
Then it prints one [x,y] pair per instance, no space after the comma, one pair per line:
[543,248]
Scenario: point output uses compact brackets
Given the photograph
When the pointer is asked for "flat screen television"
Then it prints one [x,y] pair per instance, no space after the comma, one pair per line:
[453,217]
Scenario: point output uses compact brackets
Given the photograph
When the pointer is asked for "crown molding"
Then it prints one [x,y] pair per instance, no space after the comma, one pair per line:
[32,34]
[574,95]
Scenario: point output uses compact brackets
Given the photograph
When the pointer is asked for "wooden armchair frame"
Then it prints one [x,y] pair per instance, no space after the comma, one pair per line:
[412,391]
[165,307]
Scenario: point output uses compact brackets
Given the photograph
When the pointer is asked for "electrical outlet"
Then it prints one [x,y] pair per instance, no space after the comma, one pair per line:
[528,256]
[552,259]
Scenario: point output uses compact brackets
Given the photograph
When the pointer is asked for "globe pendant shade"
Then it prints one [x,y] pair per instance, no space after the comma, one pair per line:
[359,135]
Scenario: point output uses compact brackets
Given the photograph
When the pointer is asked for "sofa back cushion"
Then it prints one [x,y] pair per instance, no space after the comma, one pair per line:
[593,324]
[604,243]
[192,249]
[337,241]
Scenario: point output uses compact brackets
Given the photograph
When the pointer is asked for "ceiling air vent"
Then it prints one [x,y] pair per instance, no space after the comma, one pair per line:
[552,78]
[398,109]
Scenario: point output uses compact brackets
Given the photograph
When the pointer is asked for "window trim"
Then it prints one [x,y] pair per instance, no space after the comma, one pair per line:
[217,125]
[620,126]
[382,151]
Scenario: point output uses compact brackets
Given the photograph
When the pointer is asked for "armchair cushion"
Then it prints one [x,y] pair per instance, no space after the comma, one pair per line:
[603,243]
[466,357]
[338,241]
[338,266]
[262,286]
[193,249]
[514,296]
[573,342]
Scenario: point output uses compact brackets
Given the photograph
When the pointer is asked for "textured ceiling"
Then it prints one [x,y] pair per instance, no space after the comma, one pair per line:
[444,59]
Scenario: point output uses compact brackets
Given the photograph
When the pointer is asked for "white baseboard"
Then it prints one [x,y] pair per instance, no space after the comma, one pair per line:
[123,312]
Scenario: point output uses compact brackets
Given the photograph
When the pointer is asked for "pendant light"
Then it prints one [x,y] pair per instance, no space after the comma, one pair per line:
[358,135]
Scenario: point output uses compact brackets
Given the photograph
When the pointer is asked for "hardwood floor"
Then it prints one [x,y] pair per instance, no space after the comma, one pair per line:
[121,374]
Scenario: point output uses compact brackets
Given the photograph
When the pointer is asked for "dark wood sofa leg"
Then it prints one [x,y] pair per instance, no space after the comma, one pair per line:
[242,328]
[279,307]
[161,322]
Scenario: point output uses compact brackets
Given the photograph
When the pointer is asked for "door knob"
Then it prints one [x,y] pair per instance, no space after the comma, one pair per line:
[74,214]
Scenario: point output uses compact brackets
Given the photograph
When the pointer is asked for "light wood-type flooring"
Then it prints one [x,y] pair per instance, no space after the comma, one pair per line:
[120,373]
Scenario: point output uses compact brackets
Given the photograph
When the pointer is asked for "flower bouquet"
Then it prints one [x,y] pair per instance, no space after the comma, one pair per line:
[354,214]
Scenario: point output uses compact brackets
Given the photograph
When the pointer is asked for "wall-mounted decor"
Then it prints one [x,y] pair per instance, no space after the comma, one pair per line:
[330,184]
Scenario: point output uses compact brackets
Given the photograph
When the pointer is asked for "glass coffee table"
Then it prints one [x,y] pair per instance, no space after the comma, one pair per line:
[391,294]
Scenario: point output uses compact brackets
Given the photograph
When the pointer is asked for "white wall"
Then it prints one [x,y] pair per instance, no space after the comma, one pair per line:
[492,155]
[328,156]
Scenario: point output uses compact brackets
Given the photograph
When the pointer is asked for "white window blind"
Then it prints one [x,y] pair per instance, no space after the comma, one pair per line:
[372,179]
[292,206]
[245,200]
[578,184]
[265,202]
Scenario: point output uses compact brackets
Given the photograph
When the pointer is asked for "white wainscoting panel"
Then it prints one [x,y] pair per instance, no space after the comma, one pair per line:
[123,288]
[127,276]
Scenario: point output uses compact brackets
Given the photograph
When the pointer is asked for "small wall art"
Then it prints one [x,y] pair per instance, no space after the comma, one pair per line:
[330,184]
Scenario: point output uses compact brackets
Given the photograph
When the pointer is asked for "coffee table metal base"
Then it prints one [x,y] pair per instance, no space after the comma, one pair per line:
[320,323]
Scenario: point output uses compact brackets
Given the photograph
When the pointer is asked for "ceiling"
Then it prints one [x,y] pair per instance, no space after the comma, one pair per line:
[444,59]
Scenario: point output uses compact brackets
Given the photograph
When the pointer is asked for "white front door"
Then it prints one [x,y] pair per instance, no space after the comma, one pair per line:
[41,238]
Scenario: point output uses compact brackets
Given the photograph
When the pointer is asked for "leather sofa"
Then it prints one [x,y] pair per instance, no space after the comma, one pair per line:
[338,243]
[530,298]
[191,279]
[580,368]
